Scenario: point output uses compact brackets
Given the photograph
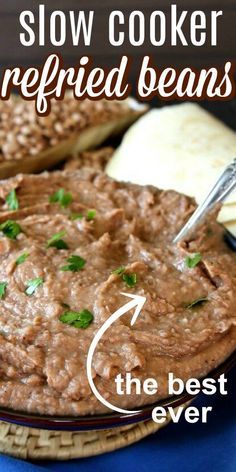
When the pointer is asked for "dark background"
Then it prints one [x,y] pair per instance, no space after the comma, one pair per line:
[12,53]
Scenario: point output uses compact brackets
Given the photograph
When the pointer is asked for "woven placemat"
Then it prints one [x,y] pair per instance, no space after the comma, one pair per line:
[38,444]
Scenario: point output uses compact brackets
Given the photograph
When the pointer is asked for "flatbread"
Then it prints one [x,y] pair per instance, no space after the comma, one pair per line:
[180,147]
[231,226]
[227,213]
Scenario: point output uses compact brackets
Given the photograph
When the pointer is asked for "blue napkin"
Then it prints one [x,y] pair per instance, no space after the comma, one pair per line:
[179,447]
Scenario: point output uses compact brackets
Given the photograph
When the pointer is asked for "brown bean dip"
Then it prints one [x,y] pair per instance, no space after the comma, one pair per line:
[43,360]
[96,159]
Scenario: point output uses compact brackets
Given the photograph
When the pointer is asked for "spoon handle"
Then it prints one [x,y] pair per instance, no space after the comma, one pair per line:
[223,187]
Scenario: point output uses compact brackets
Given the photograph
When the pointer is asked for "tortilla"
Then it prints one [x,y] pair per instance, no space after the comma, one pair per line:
[231,226]
[180,147]
[227,213]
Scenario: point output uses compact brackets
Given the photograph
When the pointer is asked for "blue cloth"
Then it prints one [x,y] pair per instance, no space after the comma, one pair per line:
[181,447]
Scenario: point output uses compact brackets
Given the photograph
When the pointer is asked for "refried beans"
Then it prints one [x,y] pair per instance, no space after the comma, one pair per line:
[70,243]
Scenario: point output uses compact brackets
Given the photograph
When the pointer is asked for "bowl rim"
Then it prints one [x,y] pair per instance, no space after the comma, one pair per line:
[109,420]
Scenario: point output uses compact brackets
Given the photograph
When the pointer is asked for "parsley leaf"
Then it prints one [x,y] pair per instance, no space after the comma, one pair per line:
[32,285]
[76,263]
[193,260]
[91,214]
[61,197]
[12,201]
[22,258]
[78,319]
[57,242]
[10,229]
[3,286]
[119,271]
[76,216]
[199,301]
[130,279]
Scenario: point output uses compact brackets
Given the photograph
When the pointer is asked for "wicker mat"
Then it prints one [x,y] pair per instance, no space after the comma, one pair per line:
[36,444]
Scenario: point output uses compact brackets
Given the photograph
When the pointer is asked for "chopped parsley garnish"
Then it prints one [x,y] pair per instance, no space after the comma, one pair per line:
[78,319]
[130,279]
[10,229]
[119,271]
[76,216]
[3,286]
[79,216]
[199,301]
[61,197]
[12,201]
[91,214]
[22,258]
[57,241]
[193,260]
[32,285]
[75,263]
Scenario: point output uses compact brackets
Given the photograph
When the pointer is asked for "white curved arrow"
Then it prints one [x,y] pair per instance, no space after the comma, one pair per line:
[137,302]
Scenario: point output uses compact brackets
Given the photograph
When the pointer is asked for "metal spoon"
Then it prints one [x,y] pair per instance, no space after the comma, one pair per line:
[223,187]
